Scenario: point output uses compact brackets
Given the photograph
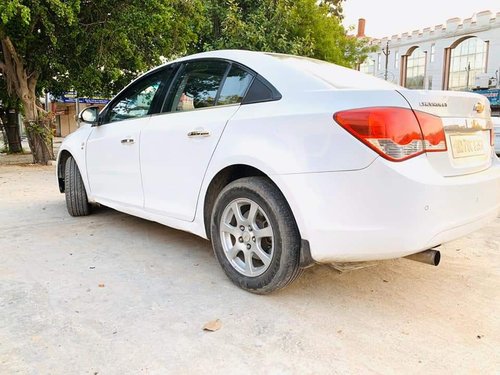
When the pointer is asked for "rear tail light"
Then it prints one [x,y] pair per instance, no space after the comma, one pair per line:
[433,132]
[397,134]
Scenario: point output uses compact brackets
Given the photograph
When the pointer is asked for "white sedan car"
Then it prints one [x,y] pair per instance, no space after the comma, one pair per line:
[283,162]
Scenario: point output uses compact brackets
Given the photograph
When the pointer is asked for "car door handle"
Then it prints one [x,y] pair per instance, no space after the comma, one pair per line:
[127,141]
[198,133]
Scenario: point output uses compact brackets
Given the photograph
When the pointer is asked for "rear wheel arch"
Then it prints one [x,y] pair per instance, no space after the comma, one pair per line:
[219,182]
[254,235]
[223,178]
[235,172]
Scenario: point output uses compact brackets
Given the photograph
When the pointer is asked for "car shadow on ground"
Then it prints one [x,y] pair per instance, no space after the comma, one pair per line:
[320,281]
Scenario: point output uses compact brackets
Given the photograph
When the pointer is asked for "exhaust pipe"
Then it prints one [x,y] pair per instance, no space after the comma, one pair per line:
[432,257]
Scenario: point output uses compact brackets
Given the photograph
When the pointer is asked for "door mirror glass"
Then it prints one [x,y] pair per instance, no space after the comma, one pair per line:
[89,115]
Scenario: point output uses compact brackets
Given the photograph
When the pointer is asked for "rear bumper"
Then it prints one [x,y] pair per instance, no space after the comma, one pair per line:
[388,210]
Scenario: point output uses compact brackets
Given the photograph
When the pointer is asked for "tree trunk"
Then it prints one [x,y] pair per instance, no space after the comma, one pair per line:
[11,126]
[37,124]
[23,83]
[38,131]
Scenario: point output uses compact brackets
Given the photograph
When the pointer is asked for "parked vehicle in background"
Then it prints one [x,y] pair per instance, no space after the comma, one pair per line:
[496,127]
[283,161]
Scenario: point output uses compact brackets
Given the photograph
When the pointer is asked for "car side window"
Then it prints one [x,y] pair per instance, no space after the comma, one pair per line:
[235,86]
[197,86]
[137,101]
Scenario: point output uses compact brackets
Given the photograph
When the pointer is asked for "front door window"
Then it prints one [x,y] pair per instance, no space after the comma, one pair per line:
[136,101]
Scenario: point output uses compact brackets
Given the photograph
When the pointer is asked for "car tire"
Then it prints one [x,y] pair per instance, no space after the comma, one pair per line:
[76,197]
[251,213]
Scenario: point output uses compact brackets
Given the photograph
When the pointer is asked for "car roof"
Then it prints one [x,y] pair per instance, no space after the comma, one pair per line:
[308,74]
[267,65]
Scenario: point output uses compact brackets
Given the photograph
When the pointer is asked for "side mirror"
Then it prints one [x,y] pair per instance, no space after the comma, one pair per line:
[89,115]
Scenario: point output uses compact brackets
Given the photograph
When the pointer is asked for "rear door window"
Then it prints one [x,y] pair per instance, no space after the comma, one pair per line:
[197,86]
[235,86]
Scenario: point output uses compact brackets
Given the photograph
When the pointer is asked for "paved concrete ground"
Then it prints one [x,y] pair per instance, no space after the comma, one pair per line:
[113,294]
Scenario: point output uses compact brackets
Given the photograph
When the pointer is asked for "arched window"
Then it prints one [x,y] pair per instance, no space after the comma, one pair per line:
[467,59]
[415,69]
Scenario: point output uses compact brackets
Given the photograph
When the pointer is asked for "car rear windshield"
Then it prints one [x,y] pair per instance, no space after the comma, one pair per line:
[335,75]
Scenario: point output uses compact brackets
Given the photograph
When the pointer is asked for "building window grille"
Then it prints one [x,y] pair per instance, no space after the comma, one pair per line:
[468,59]
[415,69]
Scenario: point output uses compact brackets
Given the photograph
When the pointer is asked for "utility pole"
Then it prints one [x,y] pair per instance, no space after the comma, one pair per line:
[468,75]
[386,52]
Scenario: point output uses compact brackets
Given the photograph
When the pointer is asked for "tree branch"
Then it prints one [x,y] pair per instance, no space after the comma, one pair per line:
[93,23]
[32,81]
[41,109]
[18,64]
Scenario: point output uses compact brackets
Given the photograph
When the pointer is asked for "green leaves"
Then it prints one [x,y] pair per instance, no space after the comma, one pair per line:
[14,8]
[97,46]
[302,27]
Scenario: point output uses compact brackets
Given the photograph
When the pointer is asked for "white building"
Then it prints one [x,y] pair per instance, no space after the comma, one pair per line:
[453,56]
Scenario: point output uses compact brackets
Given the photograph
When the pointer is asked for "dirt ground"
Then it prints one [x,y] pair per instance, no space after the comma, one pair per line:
[114,294]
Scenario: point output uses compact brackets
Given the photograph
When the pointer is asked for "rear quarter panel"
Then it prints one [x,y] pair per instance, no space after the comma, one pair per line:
[296,135]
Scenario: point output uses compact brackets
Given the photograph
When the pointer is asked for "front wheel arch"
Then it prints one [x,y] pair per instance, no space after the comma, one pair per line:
[61,165]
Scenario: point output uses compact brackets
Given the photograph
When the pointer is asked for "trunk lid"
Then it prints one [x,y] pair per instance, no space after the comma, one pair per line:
[467,125]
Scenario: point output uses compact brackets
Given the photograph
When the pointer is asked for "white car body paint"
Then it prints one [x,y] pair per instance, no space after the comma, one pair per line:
[113,159]
[349,203]
[165,138]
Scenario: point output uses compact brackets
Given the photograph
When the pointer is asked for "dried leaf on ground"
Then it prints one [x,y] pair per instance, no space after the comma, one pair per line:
[213,325]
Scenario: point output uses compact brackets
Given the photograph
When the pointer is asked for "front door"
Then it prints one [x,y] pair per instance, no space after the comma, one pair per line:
[113,147]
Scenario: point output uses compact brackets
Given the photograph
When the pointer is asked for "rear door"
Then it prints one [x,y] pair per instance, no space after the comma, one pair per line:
[177,145]
[112,155]
[467,125]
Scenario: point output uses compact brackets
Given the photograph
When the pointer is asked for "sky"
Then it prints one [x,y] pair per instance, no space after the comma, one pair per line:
[389,17]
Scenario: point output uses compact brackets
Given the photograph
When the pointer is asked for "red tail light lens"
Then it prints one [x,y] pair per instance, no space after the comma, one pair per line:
[397,134]
[433,132]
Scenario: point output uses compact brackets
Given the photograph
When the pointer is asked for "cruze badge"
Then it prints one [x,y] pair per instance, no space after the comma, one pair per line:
[433,104]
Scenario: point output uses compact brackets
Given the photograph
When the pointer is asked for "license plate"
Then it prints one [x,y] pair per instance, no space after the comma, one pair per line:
[465,146]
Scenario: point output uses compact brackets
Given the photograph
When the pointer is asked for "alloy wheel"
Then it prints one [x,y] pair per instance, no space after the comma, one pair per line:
[247,237]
